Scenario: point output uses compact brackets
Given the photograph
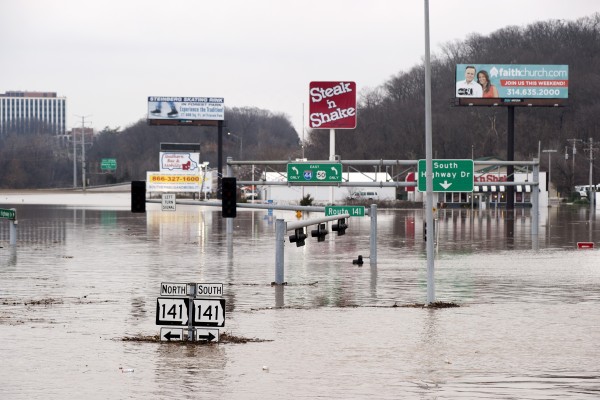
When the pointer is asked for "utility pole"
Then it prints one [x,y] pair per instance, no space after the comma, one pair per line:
[83,169]
[592,191]
[549,171]
[574,142]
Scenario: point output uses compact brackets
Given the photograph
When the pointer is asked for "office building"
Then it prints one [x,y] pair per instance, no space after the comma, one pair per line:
[32,112]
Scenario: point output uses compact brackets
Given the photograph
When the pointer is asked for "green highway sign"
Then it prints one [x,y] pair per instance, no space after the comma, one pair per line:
[108,163]
[8,213]
[448,176]
[354,211]
[314,173]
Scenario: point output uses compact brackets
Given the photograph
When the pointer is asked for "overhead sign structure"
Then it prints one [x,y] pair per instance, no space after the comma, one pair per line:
[186,108]
[314,173]
[108,164]
[512,84]
[332,105]
[353,211]
[448,175]
[8,213]
[163,182]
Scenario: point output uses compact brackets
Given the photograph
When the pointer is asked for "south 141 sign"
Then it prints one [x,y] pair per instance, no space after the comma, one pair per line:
[448,176]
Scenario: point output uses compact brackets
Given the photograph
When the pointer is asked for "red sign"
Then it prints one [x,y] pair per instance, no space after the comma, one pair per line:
[332,105]
[585,245]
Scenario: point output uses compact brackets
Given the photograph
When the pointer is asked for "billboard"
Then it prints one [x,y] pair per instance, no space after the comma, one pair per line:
[180,162]
[186,108]
[511,84]
[332,105]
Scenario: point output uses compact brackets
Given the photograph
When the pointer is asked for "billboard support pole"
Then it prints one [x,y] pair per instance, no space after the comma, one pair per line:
[219,158]
[331,157]
[510,156]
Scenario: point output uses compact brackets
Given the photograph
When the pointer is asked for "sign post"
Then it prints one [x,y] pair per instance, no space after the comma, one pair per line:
[179,312]
[11,215]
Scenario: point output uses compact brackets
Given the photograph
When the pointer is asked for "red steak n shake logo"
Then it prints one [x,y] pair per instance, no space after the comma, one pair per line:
[332,105]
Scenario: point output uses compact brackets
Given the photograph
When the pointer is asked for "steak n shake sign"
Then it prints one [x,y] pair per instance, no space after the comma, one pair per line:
[332,105]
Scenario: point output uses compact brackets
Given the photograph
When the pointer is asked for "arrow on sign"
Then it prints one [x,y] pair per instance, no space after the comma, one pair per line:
[446,185]
[296,170]
[210,337]
[170,336]
[334,170]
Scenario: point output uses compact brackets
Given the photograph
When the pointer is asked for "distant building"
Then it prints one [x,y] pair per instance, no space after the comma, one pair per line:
[32,112]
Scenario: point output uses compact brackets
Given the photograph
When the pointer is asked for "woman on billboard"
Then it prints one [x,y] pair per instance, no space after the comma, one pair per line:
[489,90]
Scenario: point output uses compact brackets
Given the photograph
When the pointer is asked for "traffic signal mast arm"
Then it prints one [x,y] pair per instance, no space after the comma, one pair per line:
[291,226]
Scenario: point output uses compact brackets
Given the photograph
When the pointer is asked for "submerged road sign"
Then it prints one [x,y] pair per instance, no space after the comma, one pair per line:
[171,334]
[314,172]
[174,311]
[209,312]
[448,176]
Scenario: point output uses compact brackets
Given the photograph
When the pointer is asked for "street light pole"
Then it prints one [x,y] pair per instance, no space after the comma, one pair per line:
[549,171]
[239,138]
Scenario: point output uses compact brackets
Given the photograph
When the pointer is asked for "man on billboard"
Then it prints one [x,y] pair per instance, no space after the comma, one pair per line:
[469,87]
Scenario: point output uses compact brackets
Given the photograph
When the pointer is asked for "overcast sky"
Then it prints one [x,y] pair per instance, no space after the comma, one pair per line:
[107,56]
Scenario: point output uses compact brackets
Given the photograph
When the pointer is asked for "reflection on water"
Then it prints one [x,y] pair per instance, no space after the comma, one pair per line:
[80,279]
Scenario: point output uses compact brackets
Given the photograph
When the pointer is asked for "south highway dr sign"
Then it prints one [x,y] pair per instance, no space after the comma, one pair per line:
[448,176]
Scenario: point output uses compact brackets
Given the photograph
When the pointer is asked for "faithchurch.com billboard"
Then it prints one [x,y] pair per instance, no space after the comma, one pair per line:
[511,85]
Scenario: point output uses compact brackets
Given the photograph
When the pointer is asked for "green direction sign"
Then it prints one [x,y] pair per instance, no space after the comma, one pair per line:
[354,211]
[108,163]
[448,176]
[314,173]
[7,213]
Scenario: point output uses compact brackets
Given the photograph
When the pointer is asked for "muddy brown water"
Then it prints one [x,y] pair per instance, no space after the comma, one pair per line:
[86,273]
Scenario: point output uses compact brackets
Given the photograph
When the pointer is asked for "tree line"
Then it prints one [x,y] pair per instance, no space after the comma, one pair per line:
[391,119]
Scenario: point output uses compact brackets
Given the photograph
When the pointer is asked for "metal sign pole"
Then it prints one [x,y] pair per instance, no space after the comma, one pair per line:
[429,166]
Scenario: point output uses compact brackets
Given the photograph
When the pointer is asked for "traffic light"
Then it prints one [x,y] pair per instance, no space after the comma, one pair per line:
[319,233]
[138,196]
[298,237]
[340,227]
[228,198]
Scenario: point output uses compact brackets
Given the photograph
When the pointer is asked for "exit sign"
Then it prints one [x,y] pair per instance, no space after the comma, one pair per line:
[108,163]
[8,213]
[448,176]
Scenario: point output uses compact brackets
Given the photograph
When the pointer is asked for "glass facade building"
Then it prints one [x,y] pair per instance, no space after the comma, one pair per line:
[32,112]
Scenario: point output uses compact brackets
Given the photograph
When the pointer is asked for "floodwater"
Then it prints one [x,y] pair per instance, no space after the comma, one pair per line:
[85,275]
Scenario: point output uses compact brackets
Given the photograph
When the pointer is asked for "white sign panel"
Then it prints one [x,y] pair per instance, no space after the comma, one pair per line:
[180,162]
[162,182]
[210,335]
[209,312]
[173,289]
[171,334]
[186,108]
[171,311]
[168,202]
[209,289]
